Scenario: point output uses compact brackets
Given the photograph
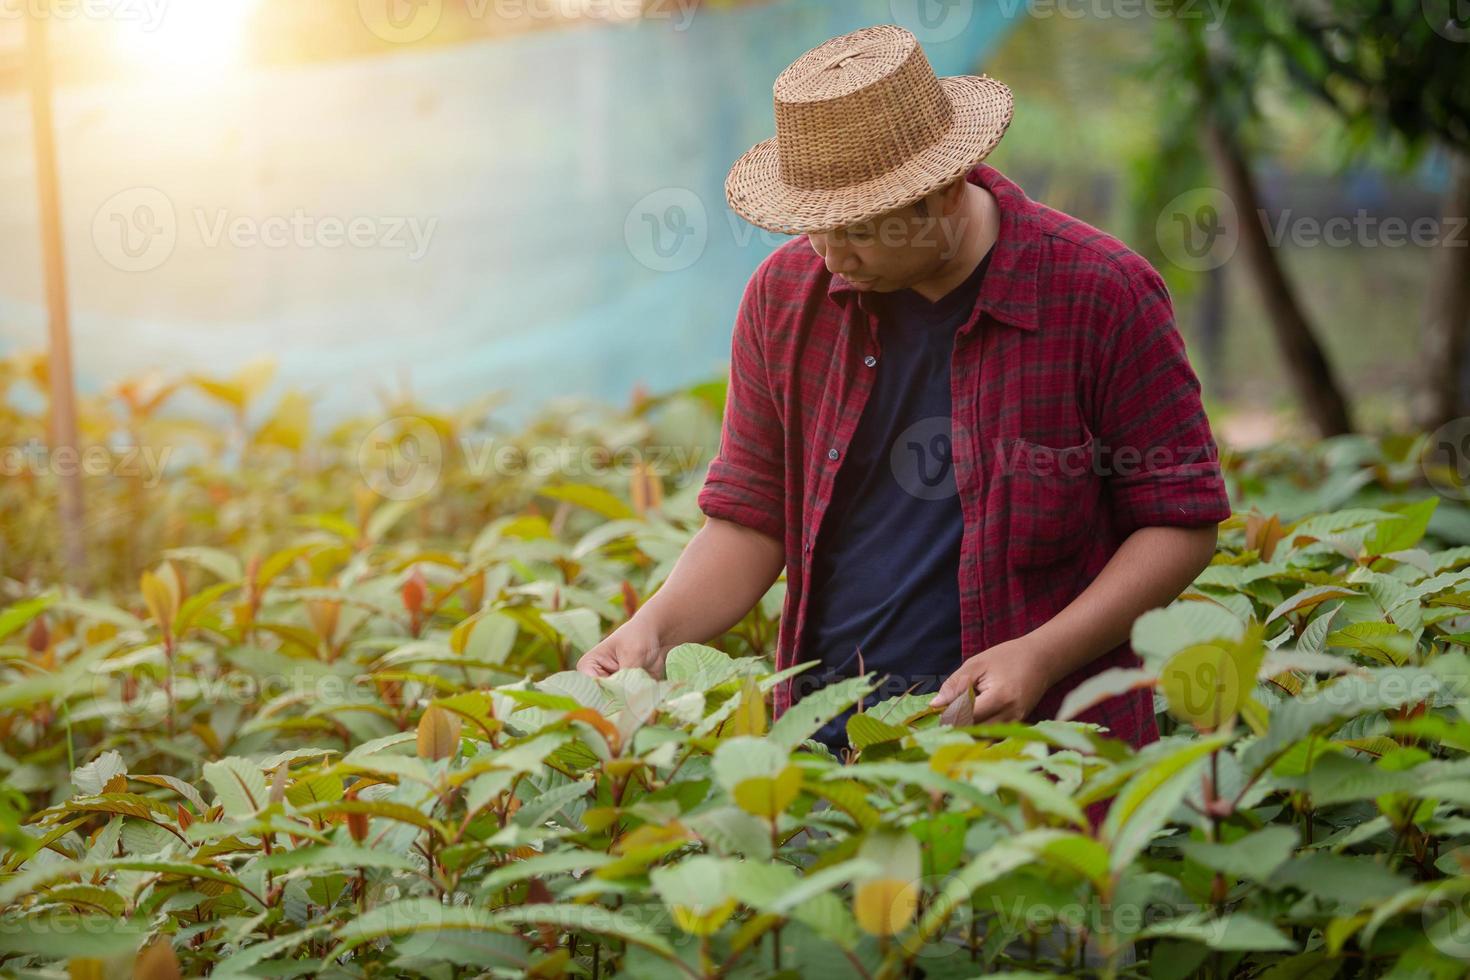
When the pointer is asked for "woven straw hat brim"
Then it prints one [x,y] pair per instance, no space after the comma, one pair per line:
[754,189]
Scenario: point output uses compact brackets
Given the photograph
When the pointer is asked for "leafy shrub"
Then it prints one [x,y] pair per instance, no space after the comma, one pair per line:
[361,751]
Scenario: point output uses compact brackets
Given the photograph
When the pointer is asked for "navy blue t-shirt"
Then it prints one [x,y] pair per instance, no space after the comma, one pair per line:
[885,577]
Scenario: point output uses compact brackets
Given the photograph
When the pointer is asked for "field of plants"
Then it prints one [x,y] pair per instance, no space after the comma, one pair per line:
[314,714]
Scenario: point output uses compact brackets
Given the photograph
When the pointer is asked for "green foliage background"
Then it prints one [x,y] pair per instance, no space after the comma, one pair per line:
[298,729]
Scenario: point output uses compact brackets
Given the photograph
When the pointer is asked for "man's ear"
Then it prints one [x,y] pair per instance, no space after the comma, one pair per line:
[947,199]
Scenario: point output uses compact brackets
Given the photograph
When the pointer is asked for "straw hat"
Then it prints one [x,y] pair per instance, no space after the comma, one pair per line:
[863,126]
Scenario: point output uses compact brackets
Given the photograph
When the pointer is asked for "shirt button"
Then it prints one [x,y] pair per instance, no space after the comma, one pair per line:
[870,360]
[831,454]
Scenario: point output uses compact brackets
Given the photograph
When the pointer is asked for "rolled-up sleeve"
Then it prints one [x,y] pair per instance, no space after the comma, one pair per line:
[1160,458]
[746,479]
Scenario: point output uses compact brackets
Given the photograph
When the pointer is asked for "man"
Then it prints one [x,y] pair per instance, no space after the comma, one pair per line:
[962,421]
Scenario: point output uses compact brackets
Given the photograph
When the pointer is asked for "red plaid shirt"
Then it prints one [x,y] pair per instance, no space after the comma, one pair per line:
[1076,420]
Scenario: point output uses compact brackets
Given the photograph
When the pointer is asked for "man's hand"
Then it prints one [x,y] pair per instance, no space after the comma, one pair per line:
[723,572]
[1150,568]
[630,645]
[1009,679]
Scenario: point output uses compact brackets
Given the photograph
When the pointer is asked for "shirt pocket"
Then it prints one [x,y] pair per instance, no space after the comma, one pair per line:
[1053,497]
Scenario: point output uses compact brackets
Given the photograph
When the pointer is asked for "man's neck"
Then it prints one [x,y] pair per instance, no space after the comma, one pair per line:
[976,224]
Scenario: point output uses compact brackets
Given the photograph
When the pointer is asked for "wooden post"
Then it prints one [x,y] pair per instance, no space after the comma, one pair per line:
[63,415]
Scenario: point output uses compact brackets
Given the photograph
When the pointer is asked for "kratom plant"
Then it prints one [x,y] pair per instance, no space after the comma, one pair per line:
[345,748]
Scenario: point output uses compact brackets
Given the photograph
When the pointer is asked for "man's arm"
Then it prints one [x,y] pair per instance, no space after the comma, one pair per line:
[721,574]
[1150,569]
[1146,400]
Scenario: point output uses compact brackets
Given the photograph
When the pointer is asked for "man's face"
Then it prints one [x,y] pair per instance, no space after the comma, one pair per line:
[895,250]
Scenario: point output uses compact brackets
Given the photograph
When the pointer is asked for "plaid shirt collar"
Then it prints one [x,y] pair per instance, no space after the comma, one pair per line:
[1009,292]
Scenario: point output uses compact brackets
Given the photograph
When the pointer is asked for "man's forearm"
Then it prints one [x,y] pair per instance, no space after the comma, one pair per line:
[721,574]
[1150,569]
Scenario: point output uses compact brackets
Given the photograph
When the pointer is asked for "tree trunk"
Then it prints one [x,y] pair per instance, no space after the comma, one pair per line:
[61,405]
[1306,362]
[1446,343]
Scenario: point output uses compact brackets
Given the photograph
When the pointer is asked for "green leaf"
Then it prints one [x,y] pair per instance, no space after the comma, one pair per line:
[731,831]
[1160,633]
[413,916]
[1383,642]
[1404,531]
[92,779]
[1101,686]
[620,924]
[595,499]
[126,804]
[808,715]
[1148,799]
[581,627]
[319,788]
[696,667]
[1232,932]
[220,563]
[334,857]
[864,731]
[542,866]
[19,615]
[1349,881]
[1254,856]
[239,786]
[988,866]
[1309,599]
[67,934]
[1079,854]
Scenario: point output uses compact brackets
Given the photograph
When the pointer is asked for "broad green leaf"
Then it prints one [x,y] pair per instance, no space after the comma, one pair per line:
[1099,687]
[220,563]
[334,857]
[1160,633]
[1148,799]
[697,667]
[864,731]
[1384,642]
[93,778]
[1254,856]
[19,615]
[808,715]
[581,627]
[595,499]
[1404,530]
[239,786]
[1238,931]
